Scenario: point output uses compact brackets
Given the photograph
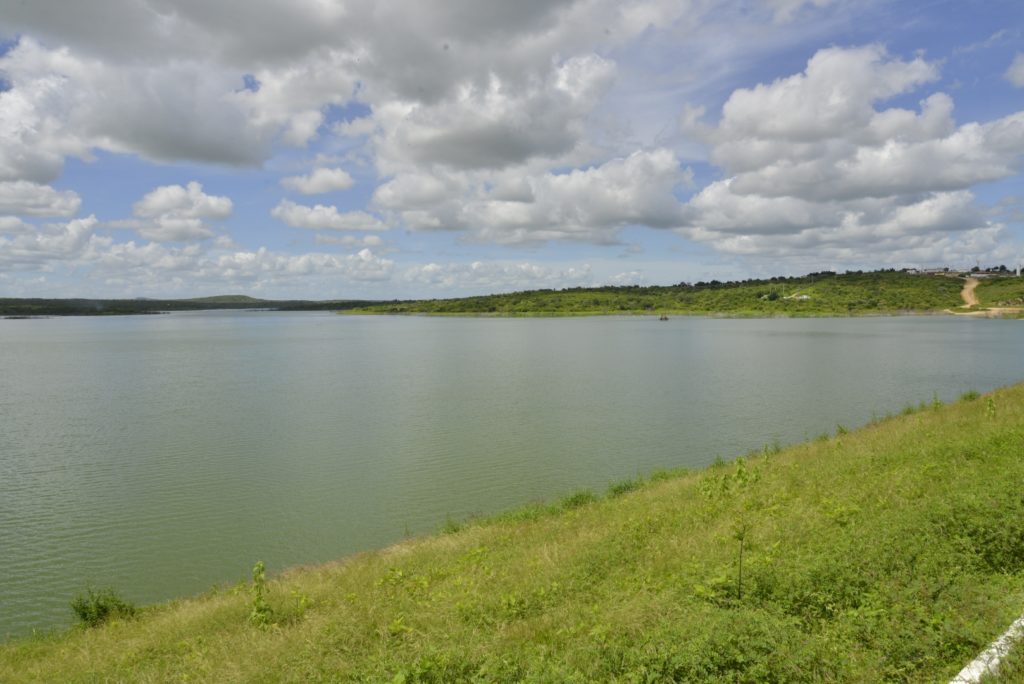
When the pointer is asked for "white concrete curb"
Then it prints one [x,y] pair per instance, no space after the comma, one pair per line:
[988,662]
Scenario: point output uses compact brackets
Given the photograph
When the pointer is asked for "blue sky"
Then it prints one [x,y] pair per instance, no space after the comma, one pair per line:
[325,149]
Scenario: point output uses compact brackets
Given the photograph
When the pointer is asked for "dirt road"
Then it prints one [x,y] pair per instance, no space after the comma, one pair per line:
[970,299]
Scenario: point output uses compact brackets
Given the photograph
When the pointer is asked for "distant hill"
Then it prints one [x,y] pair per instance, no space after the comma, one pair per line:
[815,294]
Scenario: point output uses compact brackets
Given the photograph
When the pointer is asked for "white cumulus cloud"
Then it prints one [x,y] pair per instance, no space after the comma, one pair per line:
[323,216]
[173,213]
[589,205]
[319,181]
[24,198]
[36,247]
[814,164]
[482,276]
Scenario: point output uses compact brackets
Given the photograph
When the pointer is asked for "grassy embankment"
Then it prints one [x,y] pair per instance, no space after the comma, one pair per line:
[822,294]
[890,553]
[1001,293]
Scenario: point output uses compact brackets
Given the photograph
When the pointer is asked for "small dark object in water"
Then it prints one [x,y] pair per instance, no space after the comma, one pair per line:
[663,317]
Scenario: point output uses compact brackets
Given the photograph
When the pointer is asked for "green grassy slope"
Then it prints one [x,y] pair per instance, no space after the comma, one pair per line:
[1001,292]
[892,553]
[816,294]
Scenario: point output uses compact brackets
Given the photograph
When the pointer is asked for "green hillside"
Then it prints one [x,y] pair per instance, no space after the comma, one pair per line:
[811,295]
[1002,292]
[891,553]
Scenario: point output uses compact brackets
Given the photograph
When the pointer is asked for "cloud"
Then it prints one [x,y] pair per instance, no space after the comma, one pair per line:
[1015,73]
[174,213]
[13,224]
[786,9]
[325,217]
[101,265]
[511,123]
[32,199]
[253,266]
[497,123]
[62,104]
[813,165]
[627,278]
[589,205]
[35,248]
[186,201]
[209,83]
[495,276]
[190,270]
[319,181]
[349,240]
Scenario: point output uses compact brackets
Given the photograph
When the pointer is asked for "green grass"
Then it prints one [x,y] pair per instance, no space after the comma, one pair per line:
[890,553]
[827,294]
[1001,292]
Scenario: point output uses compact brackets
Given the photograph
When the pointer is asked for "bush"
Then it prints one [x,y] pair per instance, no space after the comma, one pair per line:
[95,607]
[261,615]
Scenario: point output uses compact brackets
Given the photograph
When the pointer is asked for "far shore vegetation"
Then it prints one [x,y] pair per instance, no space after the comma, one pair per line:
[826,293]
[37,307]
[894,552]
[816,294]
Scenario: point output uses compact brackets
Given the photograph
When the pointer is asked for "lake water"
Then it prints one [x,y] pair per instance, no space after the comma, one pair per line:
[161,455]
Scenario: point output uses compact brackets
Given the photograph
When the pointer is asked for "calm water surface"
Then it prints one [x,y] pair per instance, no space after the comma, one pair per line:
[164,454]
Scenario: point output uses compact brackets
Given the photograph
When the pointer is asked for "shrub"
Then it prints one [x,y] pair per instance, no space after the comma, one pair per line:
[95,607]
[262,614]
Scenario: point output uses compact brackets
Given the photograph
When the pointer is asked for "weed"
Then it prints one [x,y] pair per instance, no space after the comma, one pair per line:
[95,607]
[397,627]
[990,407]
[660,475]
[451,525]
[739,533]
[302,602]
[261,615]
[580,498]
[970,395]
[623,487]
[841,430]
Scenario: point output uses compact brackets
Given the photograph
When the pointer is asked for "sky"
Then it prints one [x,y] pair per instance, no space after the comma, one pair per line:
[331,149]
